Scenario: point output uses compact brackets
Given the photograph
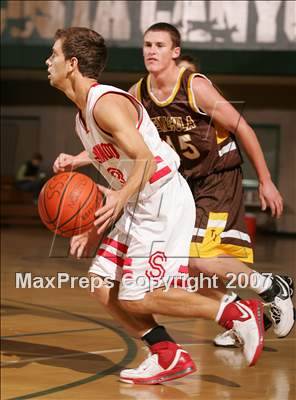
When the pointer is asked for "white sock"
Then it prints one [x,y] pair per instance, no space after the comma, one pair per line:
[259,283]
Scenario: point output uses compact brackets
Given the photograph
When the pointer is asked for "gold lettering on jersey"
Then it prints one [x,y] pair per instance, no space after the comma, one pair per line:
[174,124]
[190,123]
[187,147]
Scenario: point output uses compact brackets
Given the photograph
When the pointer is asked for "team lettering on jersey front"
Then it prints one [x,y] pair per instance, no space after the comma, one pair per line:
[174,124]
[104,152]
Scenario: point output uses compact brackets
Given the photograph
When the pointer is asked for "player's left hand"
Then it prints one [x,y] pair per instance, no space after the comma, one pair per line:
[270,197]
[109,213]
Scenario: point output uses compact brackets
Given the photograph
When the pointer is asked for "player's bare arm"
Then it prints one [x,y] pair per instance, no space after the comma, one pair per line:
[67,162]
[118,116]
[224,114]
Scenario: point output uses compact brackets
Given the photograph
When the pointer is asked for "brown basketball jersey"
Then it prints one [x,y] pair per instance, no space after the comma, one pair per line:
[203,147]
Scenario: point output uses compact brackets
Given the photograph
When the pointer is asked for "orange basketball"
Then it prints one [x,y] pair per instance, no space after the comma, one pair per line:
[67,203]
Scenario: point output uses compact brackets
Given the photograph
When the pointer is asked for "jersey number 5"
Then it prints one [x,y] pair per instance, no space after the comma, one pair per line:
[186,148]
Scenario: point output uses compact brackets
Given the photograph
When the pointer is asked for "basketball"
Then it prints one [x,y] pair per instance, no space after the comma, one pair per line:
[67,203]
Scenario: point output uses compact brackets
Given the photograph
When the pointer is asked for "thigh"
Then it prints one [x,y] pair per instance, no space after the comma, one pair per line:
[159,247]
[111,255]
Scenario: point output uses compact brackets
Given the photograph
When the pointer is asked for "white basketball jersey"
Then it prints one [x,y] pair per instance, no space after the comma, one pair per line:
[110,160]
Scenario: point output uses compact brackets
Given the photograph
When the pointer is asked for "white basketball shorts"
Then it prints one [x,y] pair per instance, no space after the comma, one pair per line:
[150,243]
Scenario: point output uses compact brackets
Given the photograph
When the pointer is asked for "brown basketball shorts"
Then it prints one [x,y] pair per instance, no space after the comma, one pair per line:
[220,228]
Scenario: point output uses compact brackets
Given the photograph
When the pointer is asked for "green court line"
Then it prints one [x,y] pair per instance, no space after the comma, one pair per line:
[129,356]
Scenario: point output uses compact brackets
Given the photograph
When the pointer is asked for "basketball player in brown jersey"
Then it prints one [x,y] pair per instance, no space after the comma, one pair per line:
[202,126]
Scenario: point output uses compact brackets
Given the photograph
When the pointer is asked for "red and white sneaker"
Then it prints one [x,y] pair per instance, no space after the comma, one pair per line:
[245,318]
[167,361]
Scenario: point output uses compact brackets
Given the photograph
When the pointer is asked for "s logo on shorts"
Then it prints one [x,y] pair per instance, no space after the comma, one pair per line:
[156,268]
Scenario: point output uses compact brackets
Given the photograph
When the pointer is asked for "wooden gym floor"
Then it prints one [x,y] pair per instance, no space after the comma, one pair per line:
[60,344]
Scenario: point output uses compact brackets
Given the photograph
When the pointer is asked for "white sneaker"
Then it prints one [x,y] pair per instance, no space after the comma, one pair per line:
[279,295]
[226,339]
[249,329]
[167,362]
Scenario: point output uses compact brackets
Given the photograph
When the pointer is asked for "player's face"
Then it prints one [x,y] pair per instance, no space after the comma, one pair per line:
[159,51]
[57,66]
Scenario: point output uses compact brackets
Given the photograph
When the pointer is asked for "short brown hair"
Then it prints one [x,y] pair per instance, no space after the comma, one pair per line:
[165,27]
[87,46]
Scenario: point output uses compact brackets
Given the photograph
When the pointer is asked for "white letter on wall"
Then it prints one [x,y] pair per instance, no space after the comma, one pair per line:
[290,20]
[266,23]
[112,20]
[231,14]
[81,14]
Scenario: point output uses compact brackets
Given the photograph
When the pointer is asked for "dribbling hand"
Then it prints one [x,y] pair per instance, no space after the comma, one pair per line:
[64,162]
[85,244]
[110,212]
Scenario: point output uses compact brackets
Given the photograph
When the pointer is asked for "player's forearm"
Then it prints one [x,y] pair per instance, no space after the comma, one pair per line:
[143,170]
[82,159]
[253,150]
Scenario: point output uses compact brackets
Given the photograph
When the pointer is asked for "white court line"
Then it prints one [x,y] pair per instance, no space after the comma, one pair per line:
[59,356]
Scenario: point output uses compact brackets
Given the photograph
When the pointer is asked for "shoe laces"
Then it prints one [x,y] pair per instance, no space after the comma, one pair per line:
[147,362]
[230,333]
[238,337]
[275,313]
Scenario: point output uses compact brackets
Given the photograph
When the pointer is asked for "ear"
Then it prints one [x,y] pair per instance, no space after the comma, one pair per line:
[74,62]
[176,52]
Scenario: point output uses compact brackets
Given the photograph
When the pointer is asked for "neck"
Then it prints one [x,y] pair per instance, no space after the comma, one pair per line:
[166,78]
[77,91]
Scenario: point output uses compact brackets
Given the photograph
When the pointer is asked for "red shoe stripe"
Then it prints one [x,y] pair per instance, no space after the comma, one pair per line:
[260,325]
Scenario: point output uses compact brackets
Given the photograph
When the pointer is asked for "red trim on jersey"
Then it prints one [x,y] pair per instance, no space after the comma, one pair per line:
[158,159]
[128,262]
[160,174]
[117,245]
[132,100]
[111,257]
[94,84]
[183,269]
[127,271]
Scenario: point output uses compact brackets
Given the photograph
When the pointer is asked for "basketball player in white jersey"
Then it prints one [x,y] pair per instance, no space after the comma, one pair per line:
[153,210]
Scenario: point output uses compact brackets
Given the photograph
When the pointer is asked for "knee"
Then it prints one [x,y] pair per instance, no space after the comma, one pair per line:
[98,290]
